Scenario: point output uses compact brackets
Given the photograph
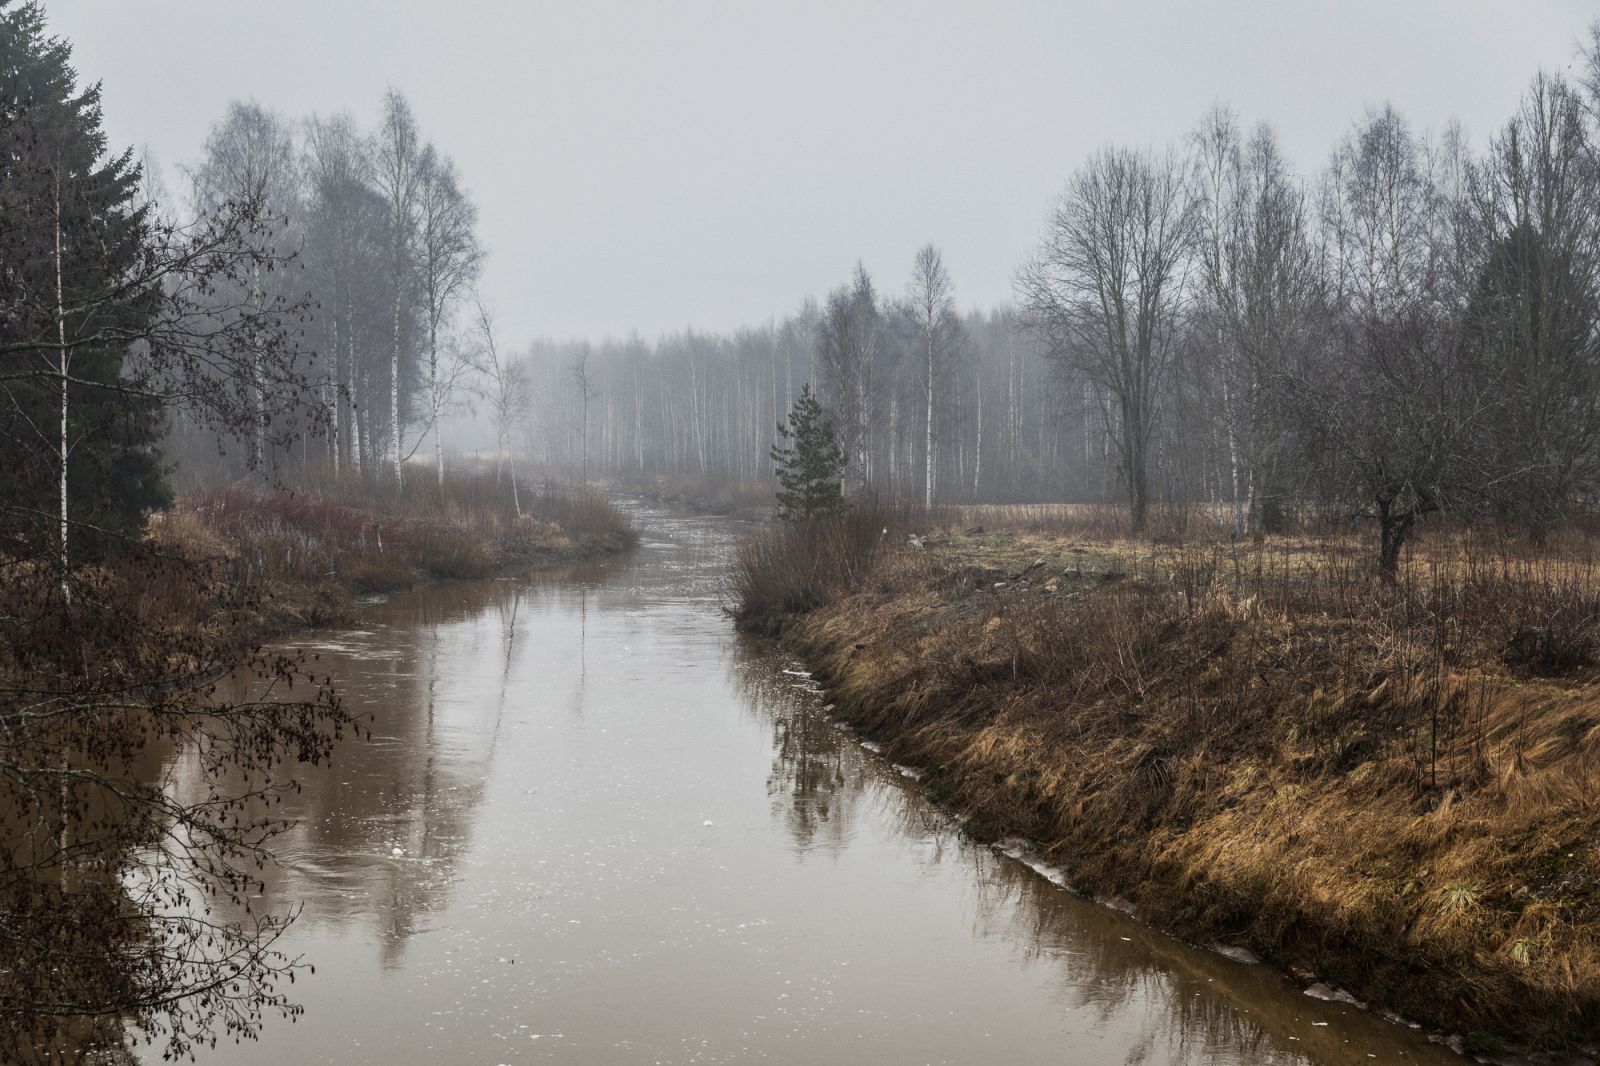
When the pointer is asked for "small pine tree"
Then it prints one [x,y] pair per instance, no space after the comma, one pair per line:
[810,463]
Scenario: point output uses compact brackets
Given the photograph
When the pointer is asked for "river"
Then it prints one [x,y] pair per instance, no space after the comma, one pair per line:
[594,825]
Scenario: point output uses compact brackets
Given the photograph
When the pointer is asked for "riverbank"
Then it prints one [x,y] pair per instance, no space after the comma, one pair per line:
[1387,791]
[308,553]
[707,496]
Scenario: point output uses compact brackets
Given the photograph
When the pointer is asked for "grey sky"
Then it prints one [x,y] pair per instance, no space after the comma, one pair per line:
[655,165]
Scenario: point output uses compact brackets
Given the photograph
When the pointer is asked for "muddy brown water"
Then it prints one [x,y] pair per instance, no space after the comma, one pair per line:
[596,826]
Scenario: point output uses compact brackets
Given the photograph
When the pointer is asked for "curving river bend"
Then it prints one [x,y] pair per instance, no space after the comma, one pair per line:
[596,826]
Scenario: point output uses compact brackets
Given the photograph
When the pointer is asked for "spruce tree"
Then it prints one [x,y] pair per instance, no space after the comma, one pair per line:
[73,242]
[810,463]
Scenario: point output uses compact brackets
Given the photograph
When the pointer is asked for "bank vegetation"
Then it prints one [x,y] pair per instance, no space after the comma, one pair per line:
[312,550]
[1385,786]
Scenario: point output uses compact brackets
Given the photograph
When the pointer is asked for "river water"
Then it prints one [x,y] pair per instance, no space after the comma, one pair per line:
[596,826]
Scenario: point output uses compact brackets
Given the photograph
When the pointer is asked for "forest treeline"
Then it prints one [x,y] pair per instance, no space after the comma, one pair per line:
[1413,328]
[1410,330]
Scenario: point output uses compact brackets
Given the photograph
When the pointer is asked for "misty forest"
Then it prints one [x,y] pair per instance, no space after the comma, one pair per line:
[1193,656]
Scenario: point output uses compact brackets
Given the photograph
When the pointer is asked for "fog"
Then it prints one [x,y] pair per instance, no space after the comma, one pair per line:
[650,167]
[1205,397]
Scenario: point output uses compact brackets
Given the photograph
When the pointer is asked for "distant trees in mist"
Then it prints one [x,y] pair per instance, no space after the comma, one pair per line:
[705,406]
[1412,329]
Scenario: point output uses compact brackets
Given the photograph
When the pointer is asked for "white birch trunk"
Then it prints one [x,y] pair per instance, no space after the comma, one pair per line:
[977,451]
[433,388]
[394,393]
[64,363]
[927,488]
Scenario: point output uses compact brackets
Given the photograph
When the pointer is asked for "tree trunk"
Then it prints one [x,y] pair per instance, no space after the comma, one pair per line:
[927,483]
[1133,449]
[1393,528]
[63,442]
[433,390]
[1233,464]
[336,402]
[358,425]
[353,370]
[259,394]
[394,391]
[977,441]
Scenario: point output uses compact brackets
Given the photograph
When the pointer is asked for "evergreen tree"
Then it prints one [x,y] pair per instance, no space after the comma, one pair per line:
[1531,334]
[73,233]
[810,463]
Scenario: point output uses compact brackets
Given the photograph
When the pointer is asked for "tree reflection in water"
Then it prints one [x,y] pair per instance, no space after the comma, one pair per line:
[808,783]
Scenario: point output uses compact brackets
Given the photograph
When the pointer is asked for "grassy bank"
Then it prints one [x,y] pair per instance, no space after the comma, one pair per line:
[308,552]
[1389,789]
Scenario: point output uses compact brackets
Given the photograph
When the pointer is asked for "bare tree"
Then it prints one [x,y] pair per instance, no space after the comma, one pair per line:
[342,210]
[249,156]
[503,384]
[397,172]
[1589,74]
[850,350]
[448,257]
[1260,282]
[931,308]
[583,388]
[1389,413]
[1105,290]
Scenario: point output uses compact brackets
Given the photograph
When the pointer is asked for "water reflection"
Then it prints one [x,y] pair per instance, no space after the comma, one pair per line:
[380,832]
[593,826]
[811,791]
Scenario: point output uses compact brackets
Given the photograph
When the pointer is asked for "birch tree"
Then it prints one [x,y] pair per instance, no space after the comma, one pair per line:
[448,257]
[1260,282]
[398,175]
[344,215]
[850,351]
[938,334]
[250,156]
[503,384]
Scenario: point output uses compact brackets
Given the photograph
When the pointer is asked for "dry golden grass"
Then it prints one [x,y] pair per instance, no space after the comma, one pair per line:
[1393,787]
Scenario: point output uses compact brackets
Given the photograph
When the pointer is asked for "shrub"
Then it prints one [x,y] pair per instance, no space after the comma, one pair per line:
[782,571]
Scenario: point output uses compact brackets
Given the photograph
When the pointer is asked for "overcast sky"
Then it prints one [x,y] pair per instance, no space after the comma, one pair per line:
[650,166]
